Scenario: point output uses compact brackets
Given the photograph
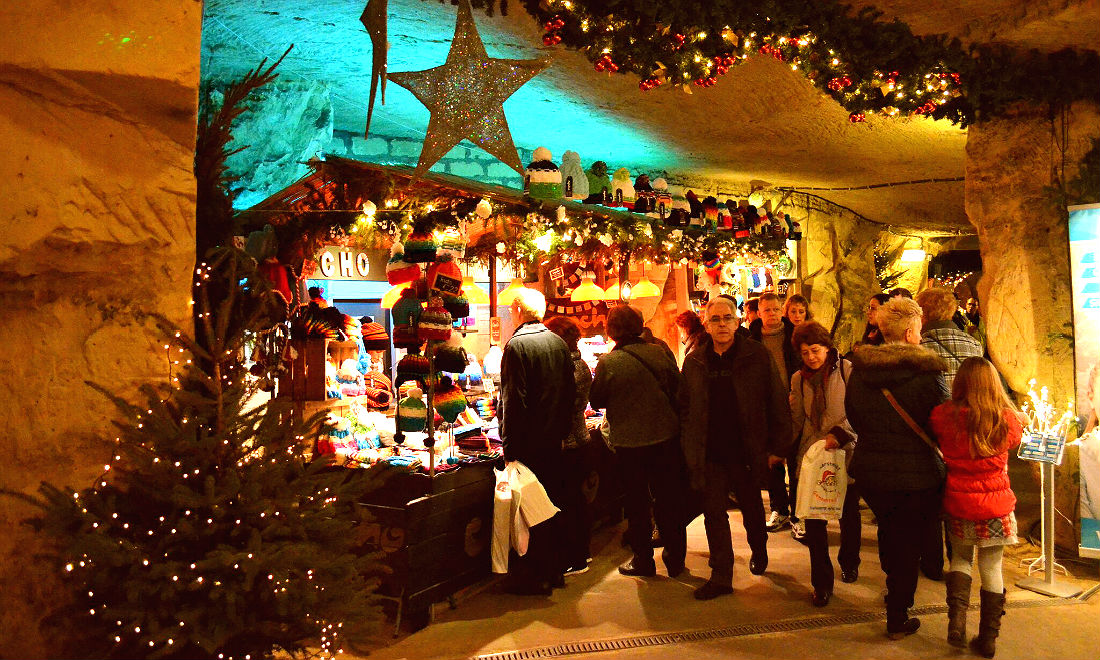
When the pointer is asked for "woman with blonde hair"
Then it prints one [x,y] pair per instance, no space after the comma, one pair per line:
[977,429]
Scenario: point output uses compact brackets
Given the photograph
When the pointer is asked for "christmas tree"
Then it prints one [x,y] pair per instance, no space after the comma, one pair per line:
[208,535]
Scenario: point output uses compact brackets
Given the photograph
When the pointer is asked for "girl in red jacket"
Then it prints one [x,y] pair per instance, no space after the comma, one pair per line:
[976,430]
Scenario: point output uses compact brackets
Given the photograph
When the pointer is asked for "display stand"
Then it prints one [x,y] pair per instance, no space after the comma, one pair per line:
[1047,451]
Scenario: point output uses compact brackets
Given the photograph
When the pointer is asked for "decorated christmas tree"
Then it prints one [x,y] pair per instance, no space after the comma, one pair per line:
[208,535]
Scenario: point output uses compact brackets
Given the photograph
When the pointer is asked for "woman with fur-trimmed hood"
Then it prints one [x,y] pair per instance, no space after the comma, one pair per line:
[896,471]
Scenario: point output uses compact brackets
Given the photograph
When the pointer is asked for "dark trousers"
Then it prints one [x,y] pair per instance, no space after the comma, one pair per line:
[817,540]
[576,524]
[903,519]
[720,479]
[778,498]
[657,471]
[543,562]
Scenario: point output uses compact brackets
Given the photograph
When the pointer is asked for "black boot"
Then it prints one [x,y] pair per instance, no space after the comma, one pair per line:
[958,602]
[989,625]
[899,623]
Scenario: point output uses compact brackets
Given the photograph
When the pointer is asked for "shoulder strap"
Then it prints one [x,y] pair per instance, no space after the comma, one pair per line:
[936,339]
[911,423]
[652,372]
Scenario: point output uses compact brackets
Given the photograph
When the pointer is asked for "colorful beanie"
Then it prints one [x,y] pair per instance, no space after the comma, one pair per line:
[412,414]
[435,322]
[458,306]
[399,271]
[412,367]
[449,401]
[445,276]
[405,336]
[406,309]
[451,359]
[420,247]
[452,243]
[375,337]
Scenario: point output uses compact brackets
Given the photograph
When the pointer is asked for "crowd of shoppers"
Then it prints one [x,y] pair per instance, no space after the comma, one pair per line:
[922,418]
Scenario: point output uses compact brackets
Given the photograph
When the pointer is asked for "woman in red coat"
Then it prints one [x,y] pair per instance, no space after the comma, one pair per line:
[976,430]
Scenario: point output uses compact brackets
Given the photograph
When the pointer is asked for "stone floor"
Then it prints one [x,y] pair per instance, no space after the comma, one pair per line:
[601,605]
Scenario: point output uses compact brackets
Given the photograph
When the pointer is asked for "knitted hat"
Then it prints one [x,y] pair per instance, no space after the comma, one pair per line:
[420,247]
[449,401]
[458,306]
[375,337]
[399,271]
[452,243]
[406,309]
[542,179]
[435,322]
[574,182]
[450,359]
[710,212]
[412,414]
[405,336]
[412,367]
[445,276]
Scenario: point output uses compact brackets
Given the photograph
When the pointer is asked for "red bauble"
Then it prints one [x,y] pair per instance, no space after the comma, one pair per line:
[548,40]
[857,117]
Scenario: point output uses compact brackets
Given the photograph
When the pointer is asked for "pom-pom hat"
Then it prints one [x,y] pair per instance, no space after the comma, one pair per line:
[435,322]
[398,270]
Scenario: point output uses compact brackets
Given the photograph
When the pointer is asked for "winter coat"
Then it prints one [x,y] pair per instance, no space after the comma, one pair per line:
[834,420]
[891,456]
[953,345]
[582,378]
[977,488]
[790,355]
[762,418]
[537,393]
[639,412]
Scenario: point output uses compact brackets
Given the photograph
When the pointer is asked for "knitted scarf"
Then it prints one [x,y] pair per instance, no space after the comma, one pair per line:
[816,379]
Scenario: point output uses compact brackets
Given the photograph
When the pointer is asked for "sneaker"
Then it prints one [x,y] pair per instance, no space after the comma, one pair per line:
[576,570]
[778,521]
[798,530]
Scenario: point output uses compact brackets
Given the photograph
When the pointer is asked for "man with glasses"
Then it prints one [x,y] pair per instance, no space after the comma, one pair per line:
[736,422]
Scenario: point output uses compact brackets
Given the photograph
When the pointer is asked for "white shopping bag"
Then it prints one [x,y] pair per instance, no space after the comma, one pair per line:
[822,483]
[502,522]
[534,504]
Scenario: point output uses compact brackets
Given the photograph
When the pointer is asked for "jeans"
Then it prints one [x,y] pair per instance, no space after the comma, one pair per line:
[720,479]
[903,520]
[655,470]
[817,540]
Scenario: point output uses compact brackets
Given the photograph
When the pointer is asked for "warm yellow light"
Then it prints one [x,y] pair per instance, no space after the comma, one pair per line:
[506,296]
[613,291]
[644,289]
[475,294]
[392,295]
[587,291]
[912,255]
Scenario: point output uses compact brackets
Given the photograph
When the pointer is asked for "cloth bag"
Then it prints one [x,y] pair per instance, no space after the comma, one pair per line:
[822,483]
[519,503]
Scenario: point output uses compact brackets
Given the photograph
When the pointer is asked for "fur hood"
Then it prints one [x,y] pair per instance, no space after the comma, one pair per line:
[897,356]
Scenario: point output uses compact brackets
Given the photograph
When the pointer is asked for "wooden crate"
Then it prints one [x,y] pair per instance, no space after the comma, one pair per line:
[305,379]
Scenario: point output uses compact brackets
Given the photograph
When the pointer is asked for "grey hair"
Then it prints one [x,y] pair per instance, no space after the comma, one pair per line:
[897,316]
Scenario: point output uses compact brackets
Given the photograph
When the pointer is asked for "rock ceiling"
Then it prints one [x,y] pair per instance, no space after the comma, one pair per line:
[761,123]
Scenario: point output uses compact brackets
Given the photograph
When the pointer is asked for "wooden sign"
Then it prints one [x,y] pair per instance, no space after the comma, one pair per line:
[557,273]
[341,263]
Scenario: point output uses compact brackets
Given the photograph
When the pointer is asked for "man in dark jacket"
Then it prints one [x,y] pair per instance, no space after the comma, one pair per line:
[773,330]
[897,473]
[735,423]
[536,413]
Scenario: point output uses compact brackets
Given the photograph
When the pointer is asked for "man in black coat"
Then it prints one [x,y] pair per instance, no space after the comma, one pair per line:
[537,390]
[735,422]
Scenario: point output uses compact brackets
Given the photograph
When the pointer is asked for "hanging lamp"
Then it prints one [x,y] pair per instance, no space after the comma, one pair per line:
[506,296]
[644,288]
[613,292]
[587,290]
[391,296]
[475,294]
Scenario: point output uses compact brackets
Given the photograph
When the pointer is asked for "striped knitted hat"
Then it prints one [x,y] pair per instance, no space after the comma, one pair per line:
[420,247]
[435,322]
[375,337]
[449,401]
[399,271]
[412,414]
[412,367]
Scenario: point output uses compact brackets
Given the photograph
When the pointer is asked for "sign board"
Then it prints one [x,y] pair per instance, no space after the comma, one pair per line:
[341,263]
[494,331]
[1042,448]
[1084,258]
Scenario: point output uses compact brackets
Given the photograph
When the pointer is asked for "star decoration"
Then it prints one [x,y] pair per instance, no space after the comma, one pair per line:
[466,96]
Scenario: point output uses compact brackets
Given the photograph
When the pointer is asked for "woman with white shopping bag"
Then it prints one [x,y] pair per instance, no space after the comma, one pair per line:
[826,447]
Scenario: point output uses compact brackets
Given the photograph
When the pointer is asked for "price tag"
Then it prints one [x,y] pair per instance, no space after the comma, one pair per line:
[494,330]
[557,273]
[1042,448]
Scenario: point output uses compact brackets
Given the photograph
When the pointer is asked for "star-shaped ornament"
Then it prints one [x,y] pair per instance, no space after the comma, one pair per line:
[466,96]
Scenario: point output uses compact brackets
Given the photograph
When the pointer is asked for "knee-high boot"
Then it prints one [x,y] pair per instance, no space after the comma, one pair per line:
[992,609]
[958,602]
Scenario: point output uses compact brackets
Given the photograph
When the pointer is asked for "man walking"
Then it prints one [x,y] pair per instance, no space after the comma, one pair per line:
[774,331]
[736,422]
[536,414]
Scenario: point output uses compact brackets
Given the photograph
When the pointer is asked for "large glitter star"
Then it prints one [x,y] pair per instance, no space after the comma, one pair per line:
[466,96]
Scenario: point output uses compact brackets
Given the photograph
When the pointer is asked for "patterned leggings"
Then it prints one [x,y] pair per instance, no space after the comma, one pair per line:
[989,563]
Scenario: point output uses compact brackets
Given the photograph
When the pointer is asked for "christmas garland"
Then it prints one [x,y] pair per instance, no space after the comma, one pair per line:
[867,65]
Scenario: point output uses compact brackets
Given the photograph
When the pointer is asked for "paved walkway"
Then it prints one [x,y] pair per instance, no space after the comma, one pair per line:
[769,616]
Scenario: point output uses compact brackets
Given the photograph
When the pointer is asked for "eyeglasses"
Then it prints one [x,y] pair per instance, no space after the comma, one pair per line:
[719,320]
